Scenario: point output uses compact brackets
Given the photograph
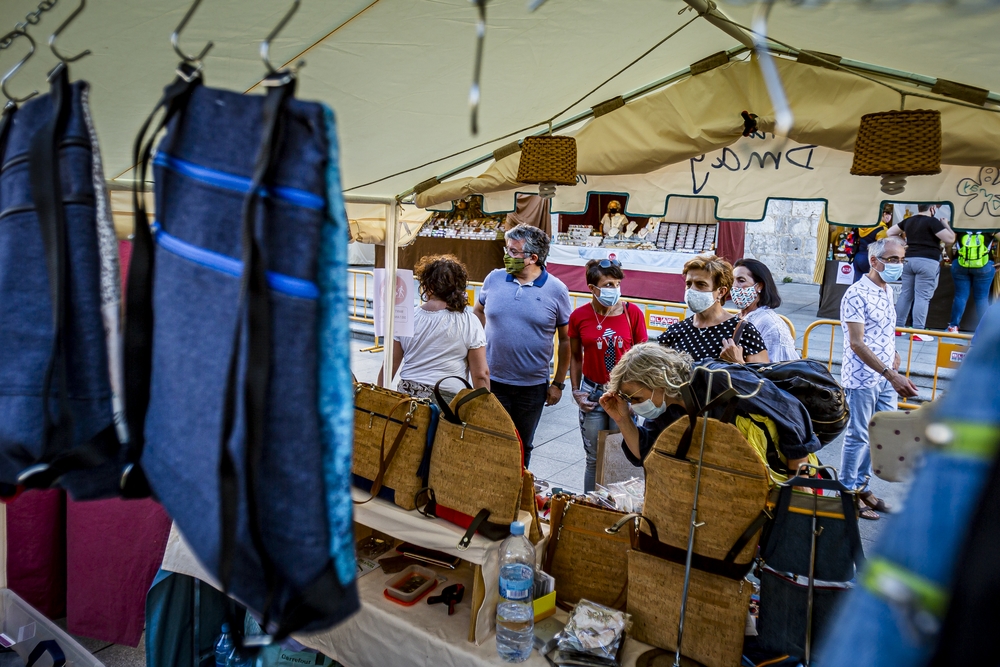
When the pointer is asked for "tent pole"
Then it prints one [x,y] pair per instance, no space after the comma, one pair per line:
[720,21]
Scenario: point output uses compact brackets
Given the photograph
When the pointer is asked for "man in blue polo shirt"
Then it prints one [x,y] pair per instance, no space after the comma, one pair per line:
[522,307]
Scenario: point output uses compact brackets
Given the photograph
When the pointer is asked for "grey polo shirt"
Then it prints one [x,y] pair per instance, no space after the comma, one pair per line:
[521,322]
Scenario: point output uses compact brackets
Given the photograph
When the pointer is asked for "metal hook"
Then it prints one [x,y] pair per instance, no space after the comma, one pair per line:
[711,372]
[13,34]
[265,46]
[52,38]
[175,37]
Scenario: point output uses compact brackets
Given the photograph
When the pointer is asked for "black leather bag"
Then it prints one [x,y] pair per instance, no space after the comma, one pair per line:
[815,388]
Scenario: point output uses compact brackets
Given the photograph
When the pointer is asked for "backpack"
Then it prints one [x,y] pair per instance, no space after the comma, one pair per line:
[60,332]
[236,337]
[973,252]
[812,384]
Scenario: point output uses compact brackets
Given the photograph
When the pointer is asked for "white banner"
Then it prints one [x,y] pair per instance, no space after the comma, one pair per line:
[404,303]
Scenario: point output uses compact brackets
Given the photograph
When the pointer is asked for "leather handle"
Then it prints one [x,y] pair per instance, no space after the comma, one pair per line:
[446,410]
[557,511]
[385,460]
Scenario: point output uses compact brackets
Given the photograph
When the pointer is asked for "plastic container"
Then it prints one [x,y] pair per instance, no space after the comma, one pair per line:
[22,629]
[223,647]
[411,583]
[515,611]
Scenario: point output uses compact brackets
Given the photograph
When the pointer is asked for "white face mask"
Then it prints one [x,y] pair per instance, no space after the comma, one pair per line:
[698,301]
[649,410]
[609,296]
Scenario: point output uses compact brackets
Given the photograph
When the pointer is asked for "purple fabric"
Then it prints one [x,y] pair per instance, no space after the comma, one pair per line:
[36,550]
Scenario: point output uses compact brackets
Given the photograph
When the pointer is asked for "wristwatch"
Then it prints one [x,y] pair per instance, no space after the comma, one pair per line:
[883,371]
[559,385]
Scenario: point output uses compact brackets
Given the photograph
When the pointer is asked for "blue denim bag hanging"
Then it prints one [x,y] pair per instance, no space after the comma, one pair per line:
[234,446]
[60,293]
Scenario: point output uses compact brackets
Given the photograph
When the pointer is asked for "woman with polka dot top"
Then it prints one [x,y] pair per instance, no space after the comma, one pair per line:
[710,333]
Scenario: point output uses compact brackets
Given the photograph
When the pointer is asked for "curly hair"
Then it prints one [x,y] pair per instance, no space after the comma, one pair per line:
[443,277]
[652,366]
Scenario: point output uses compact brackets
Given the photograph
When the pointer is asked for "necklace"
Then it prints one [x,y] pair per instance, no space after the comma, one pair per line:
[600,322]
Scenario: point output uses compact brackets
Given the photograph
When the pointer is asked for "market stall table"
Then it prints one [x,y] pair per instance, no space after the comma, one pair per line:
[649,274]
[385,633]
[479,256]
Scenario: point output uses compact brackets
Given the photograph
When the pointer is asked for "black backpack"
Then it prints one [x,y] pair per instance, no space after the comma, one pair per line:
[812,384]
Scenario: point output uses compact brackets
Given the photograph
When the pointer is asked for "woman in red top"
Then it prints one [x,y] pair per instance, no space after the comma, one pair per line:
[600,332]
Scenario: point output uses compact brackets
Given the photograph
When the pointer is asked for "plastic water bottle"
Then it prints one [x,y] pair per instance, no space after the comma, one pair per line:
[235,660]
[515,611]
[223,647]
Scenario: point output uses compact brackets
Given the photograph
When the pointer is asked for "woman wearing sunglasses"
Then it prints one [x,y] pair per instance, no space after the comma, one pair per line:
[600,332]
[646,382]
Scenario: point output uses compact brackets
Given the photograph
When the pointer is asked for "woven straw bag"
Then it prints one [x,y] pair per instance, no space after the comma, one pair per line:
[715,617]
[898,142]
[476,465]
[548,159]
[733,496]
[587,562]
[393,433]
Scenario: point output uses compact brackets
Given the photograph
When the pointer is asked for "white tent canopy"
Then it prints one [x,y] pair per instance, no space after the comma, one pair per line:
[397,72]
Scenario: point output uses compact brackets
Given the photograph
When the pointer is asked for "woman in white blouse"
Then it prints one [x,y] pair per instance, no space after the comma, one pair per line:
[448,340]
[756,295]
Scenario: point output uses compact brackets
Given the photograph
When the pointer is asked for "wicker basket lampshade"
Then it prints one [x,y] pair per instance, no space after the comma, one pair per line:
[548,161]
[897,144]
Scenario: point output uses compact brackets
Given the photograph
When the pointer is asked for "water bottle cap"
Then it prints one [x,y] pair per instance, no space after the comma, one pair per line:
[516,528]
[225,627]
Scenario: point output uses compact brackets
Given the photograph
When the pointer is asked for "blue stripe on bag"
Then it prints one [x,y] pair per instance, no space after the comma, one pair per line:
[279,282]
[227,181]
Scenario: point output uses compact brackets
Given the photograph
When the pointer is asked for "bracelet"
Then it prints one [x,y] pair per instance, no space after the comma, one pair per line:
[883,371]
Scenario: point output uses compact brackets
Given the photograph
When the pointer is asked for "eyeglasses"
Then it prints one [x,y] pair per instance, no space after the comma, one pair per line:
[892,260]
[608,263]
[631,400]
[515,253]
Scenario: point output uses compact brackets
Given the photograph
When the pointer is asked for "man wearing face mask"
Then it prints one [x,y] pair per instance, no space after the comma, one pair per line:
[523,306]
[646,380]
[713,333]
[600,332]
[870,374]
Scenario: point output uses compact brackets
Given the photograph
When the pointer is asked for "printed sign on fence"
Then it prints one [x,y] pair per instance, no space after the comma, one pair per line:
[403,325]
[662,320]
[845,273]
[957,357]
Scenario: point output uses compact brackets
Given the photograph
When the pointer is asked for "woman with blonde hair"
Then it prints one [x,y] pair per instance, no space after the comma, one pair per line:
[448,339]
[646,381]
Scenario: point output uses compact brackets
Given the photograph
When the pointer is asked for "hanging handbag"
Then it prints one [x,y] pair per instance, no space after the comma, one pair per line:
[476,465]
[587,562]
[393,437]
[816,389]
[809,554]
[239,387]
[60,333]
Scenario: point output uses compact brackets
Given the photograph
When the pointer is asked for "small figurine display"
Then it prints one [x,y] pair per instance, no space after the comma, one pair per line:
[844,247]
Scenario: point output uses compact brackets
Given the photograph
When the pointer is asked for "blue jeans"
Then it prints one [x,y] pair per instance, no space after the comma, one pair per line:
[591,425]
[977,281]
[856,458]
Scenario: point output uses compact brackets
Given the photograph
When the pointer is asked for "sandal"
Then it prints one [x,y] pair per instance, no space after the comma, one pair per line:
[868,513]
[875,503]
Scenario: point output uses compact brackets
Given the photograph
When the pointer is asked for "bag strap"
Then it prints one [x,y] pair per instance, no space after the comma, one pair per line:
[468,398]
[385,460]
[477,521]
[741,542]
[738,332]
[254,298]
[446,410]
[557,510]
[48,646]
[138,331]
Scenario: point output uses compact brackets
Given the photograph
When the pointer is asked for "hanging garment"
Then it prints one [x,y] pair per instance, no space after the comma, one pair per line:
[60,290]
[234,447]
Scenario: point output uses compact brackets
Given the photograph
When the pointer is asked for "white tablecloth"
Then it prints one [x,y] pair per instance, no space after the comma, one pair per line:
[652,261]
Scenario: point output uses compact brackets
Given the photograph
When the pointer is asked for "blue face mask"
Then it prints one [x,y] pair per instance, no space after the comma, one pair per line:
[609,296]
[891,272]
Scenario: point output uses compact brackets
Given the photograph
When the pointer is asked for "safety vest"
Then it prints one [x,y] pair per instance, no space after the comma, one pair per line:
[973,253]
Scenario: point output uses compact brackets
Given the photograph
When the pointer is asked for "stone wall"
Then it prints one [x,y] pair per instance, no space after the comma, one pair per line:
[786,239]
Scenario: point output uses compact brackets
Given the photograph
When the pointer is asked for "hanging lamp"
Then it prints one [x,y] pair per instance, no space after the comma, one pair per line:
[897,144]
[548,161]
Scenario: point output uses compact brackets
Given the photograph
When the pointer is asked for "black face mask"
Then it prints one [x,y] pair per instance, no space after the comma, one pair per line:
[612,211]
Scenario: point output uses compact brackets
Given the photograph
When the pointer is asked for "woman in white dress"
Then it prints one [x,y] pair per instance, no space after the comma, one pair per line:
[448,339]
[756,295]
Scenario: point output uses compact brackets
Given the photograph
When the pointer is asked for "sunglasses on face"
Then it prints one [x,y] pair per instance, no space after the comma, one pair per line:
[631,400]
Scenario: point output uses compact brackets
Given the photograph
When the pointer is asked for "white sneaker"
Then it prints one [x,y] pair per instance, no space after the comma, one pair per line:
[952,329]
[922,338]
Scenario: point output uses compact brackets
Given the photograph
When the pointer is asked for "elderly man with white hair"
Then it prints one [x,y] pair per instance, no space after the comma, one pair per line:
[870,372]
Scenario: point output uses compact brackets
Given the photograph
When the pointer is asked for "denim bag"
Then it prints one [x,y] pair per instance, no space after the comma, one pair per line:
[60,291]
[234,446]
